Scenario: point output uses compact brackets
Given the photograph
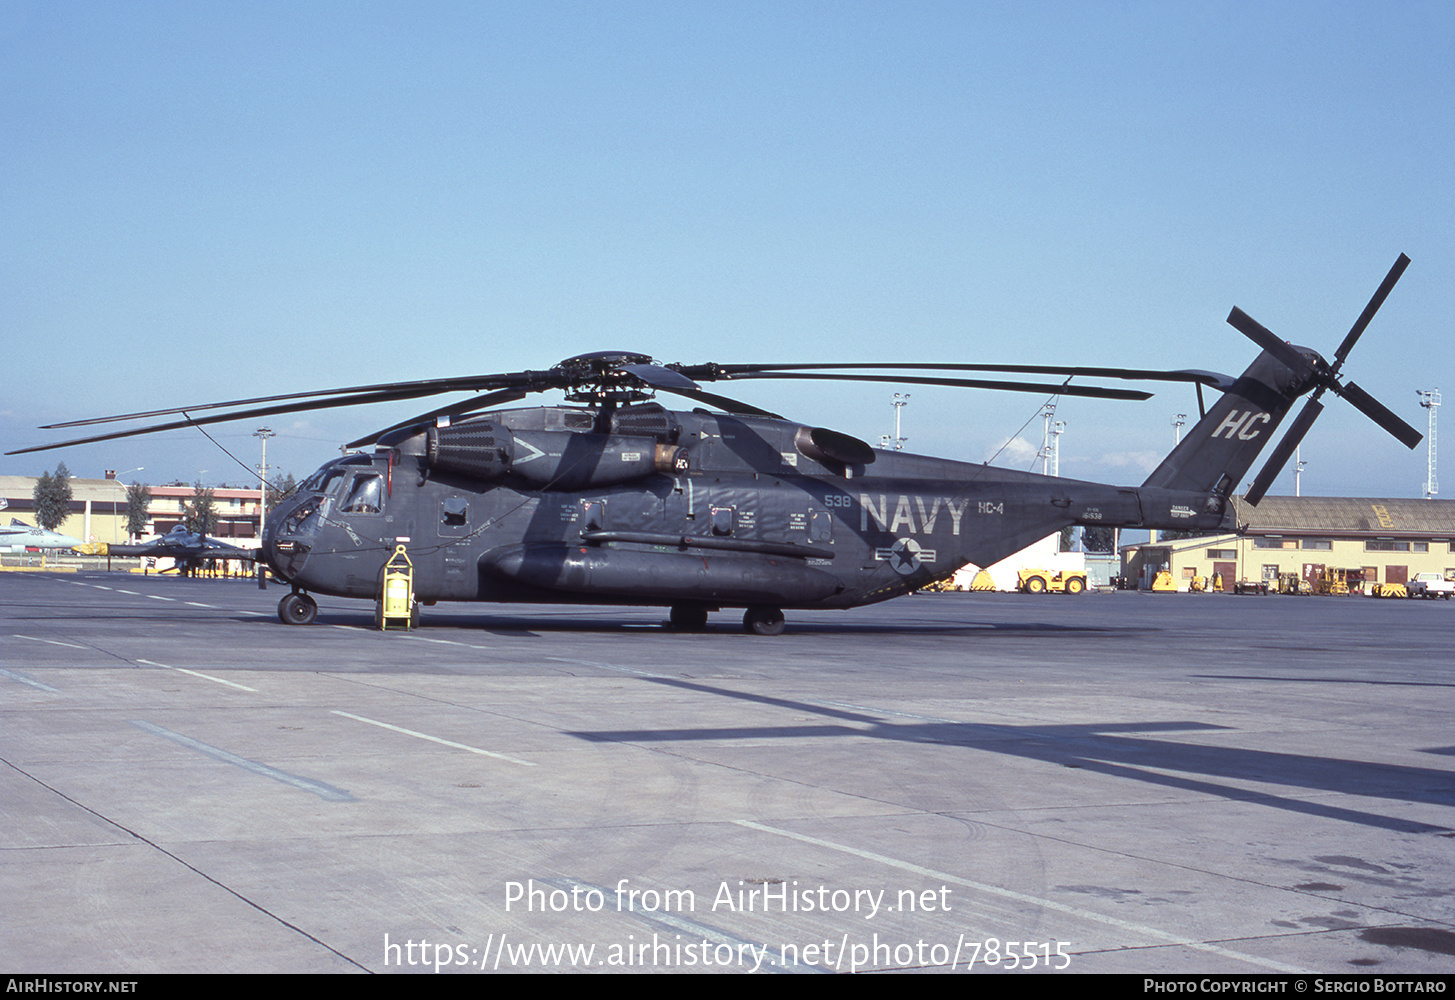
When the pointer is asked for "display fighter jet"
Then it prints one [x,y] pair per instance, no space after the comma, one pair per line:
[189,548]
[18,536]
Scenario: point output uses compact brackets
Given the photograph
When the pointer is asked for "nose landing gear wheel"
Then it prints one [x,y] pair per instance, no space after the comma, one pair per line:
[297,609]
[763,620]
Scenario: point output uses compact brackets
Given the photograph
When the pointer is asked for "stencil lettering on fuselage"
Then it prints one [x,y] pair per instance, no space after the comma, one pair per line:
[1244,426]
[915,515]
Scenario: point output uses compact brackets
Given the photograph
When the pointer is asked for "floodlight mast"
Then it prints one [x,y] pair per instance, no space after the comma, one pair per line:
[264,433]
[901,400]
[1430,400]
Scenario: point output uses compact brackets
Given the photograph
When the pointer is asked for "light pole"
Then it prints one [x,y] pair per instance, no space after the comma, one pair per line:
[264,433]
[115,528]
[1048,414]
[1430,400]
[901,400]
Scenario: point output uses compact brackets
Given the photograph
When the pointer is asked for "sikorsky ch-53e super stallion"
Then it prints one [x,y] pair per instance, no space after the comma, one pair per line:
[616,499]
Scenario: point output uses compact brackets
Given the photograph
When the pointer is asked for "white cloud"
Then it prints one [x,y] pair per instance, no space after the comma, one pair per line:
[1017,452]
[1144,460]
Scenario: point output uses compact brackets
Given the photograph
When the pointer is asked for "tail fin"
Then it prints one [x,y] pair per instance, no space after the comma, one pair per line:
[1222,446]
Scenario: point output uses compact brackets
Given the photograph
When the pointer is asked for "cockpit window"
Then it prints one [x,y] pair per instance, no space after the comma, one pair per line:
[300,514]
[365,495]
[324,480]
[328,477]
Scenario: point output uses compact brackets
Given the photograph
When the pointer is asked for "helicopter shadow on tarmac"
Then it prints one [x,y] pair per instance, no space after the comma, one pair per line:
[1120,750]
[567,624]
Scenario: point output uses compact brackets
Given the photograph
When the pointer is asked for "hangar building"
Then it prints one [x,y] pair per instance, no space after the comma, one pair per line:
[1390,540]
[98,509]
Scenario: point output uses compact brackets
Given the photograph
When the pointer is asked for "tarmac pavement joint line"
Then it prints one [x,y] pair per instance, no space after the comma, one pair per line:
[192,868]
[1020,897]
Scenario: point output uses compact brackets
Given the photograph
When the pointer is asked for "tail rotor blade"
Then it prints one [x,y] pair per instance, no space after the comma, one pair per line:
[1380,414]
[1325,376]
[1284,451]
[1266,339]
[1380,294]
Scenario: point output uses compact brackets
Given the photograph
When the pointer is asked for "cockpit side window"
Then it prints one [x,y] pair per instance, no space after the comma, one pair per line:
[365,495]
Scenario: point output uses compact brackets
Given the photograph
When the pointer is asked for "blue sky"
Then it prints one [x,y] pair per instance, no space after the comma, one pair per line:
[207,201]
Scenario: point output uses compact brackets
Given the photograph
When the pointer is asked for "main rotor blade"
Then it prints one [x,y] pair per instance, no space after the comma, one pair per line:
[723,403]
[262,411]
[659,377]
[453,409]
[1283,451]
[1380,294]
[1265,338]
[1063,389]
[374,393]
[1380,414]
[709,373]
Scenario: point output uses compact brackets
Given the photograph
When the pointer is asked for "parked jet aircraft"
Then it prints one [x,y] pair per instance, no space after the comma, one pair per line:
[17,536]
[188,548]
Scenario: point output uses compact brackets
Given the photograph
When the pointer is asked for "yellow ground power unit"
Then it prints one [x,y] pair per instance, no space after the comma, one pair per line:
[396,607]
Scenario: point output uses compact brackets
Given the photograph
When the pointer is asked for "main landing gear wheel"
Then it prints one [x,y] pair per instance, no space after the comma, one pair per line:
[688,618]
[297,609]
[763,620]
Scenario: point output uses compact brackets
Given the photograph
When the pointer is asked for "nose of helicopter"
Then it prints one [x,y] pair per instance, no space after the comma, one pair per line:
[288,533]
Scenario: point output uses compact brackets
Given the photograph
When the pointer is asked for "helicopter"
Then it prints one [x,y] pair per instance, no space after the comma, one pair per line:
[615,499]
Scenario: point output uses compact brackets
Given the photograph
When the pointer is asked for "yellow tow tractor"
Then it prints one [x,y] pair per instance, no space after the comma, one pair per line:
[1040,581]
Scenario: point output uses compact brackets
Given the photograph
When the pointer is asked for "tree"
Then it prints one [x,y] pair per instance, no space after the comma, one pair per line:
[200,513]
[1177,536]
[138,502]
[1097,539]
[1068,538]
[280,490]
[52,497]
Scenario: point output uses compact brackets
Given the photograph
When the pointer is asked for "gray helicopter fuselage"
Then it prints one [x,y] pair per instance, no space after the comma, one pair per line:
[645,506]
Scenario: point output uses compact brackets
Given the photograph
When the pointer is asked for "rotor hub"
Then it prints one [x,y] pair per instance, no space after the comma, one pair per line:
[601,378]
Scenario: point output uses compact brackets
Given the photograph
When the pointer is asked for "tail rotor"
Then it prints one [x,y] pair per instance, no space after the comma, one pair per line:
[1315,371]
